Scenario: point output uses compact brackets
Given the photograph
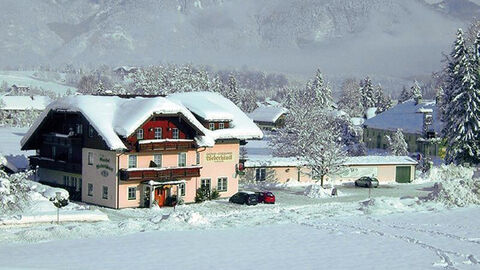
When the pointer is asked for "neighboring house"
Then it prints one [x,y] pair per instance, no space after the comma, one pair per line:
[14,104]
[419,121]
[135,152]
[124,71]
[20,88]
[399,169]
[269,117]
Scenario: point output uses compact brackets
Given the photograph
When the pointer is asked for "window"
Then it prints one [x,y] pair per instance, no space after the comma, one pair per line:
[158,160]
[132,193]
[197,160]
[221,125]
[211,126]
[66,180]
[175,133]
[90,131]
[222,184]
[90,158]
[140,134]
[105,193]
[90,189]
[79,129]
[182,159]
[158,133]
[260,174]
[54,152]
[181,189]
[132,161]
[205,184]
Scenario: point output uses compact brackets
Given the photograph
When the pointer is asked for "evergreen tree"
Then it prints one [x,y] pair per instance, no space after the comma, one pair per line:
[397,144]
[416,91]
[321,92]
[351,98]
[231,91]
[405,95]
[368,93]
[462,111]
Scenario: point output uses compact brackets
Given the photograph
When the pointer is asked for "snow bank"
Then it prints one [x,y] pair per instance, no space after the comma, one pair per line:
[456,192]
[317,191]
[446,172]
[48,192]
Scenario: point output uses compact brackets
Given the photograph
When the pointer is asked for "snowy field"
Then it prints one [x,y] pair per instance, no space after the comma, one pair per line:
[397,228]
[27,78]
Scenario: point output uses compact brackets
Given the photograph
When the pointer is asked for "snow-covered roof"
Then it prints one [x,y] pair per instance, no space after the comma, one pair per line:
[241,127]
[269,114]
[406,116]
[371,112]
[270,161]
[114,117]
[25,102]
[380,160]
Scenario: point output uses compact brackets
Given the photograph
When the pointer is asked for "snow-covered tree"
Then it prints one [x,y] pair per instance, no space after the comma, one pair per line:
[405,95]
[397,144]
[351,98]
[368,93]
[248,100]
[13,191]
[383,102]
[462,110]
[231,91]
[319,143]
[319,92]
[416,91]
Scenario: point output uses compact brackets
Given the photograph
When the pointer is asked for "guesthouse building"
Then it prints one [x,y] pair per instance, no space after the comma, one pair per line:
[140,151]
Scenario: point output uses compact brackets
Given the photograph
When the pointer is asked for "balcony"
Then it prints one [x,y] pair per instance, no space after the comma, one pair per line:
[165,145]
[159,174]
[61,139]
[58,165]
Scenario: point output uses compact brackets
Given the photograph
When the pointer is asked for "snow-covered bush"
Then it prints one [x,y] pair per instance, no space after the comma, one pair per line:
[457,192]
[446,172]
[13,191]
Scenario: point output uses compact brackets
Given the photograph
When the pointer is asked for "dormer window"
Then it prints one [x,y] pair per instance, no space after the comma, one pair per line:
[211,126]
[140,134]
[158,133]
[175,134]
[221,125]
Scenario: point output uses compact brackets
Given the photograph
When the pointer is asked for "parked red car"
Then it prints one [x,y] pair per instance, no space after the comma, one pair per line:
[265,197]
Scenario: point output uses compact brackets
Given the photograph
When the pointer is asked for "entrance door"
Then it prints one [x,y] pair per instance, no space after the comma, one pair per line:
[160,196]
[403,174]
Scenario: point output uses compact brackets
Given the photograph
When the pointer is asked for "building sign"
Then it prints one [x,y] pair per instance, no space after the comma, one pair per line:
[104,165]
[219,157]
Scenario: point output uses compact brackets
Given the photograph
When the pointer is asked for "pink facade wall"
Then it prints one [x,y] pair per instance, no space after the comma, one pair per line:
[217,161]
[281,174]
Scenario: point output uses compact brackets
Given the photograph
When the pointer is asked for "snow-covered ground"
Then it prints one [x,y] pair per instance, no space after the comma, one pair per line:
[27,78]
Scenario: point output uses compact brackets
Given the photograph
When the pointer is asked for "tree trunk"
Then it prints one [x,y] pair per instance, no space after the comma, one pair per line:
[321,180]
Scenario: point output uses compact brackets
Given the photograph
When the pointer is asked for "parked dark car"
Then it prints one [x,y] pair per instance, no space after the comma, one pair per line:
[369,182]
[265,197]
[242,197]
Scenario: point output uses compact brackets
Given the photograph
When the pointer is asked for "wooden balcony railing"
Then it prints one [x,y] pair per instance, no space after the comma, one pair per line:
[59,165]
[159,174]
[164,145]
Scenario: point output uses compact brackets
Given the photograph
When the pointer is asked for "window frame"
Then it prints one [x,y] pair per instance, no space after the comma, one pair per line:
[158,130]
[90,131]
[90,189]
[222,184]
[79,129]
[130,161]
[134,197]
[105,192]
[175,134]
[159,164]
[182,187]
[258,174]
[209,180]
[211,126]
[140,134]
[197,158]
[90,158]
[179,157]
[221,125]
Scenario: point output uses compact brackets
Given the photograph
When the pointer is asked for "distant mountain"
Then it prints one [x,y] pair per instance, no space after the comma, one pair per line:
[391,37]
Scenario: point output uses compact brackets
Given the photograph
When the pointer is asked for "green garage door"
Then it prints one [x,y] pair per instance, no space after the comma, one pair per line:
[403,174]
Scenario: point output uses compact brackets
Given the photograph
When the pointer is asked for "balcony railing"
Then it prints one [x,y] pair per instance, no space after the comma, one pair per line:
[59,165]
[159,174]
[61,139]
[165,145]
